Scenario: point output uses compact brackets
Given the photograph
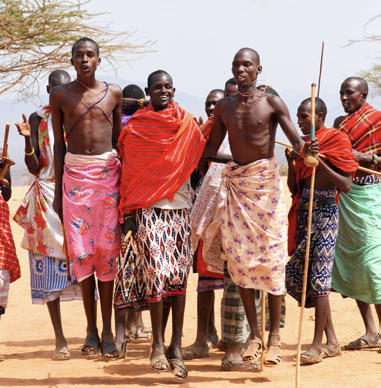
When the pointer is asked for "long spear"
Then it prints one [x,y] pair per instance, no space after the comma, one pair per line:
[321,67]
[309,161]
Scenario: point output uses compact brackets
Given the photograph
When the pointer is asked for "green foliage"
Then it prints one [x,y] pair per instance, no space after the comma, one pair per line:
[36,38]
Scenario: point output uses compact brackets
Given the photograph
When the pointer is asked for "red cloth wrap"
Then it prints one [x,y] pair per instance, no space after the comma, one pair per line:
[364,129]
[8,257]
[156,159]
[201,266]
[337,147]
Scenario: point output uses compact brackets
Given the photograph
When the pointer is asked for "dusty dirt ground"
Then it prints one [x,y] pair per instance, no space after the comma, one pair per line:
[27,341]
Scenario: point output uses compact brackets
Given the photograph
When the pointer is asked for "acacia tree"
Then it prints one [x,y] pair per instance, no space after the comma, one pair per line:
[373,75]
[36,38]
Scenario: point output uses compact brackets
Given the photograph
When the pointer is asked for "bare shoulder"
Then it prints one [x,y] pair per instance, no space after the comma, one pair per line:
[59,92]
[115,90]
[222,105]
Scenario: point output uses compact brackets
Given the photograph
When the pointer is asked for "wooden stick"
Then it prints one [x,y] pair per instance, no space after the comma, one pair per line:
[263,326]
[5,147]
[307,255]
[305,275]
[363,169]
[65,250]
[321,67]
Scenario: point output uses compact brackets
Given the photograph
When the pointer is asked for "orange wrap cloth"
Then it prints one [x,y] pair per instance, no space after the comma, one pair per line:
[208,127]
[336,146]
[159,152]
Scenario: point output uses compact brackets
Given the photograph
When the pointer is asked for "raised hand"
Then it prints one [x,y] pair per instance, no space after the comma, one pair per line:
[23,127]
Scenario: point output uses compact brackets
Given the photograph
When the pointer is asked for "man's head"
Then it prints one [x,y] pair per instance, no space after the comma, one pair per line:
[230,87]
[211,100]
[57,78]
[353,93]
[246,67]
[304,115]
[133,91]
[85,56]
[160,89]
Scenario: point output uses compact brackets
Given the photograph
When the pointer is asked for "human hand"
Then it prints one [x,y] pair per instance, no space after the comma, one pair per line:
[23,127]
[129,225]
[291,154]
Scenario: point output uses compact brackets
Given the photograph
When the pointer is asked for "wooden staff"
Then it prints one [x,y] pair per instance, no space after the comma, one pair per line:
[321,67]
[127,237]
[360,168]
[308,161]
[66,253]
[263,326]
[7,162]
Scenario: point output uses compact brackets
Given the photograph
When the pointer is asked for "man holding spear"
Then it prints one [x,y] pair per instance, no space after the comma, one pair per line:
[250,213]
[333,176]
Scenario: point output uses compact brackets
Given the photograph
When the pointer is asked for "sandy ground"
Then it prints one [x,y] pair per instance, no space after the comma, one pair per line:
[27,341]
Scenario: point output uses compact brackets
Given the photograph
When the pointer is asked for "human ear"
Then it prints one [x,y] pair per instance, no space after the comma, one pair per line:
[99,61]
[47,89]
[259,69]
[71,61]
[147,90]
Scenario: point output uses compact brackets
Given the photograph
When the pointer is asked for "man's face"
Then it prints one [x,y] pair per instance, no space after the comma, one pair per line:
[211,102]
[161,91]
[85,58]
[230,90]
[304,118]
[351,96]
[245,68]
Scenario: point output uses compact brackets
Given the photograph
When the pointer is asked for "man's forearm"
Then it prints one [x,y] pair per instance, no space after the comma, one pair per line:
[219,158]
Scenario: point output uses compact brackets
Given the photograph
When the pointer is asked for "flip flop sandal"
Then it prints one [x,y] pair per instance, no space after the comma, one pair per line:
[238,366]
[329,352]
[364,342]
[273,354]
[253,351]
[123,350]
[192,352]
[212,341]
[159,359]
[91,347]
[61,354]
[309,358]
[178,368]
[109,351]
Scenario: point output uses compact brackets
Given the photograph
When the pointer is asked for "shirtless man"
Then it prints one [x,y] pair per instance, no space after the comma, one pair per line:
[255,246]
[86,190]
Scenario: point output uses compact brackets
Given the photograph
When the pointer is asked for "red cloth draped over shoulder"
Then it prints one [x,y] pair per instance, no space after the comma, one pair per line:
[159,152]
[208,127]
[337,147]
[364,129]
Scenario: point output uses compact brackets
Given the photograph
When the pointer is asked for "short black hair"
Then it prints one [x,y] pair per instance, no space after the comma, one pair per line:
[230,81]
[268,89]
[84,39]
[154,74]
[58,75]
[320,106]
[362,83]
[133,91]
[216,91]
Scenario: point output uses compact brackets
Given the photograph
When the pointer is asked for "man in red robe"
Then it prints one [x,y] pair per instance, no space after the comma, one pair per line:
[160,147]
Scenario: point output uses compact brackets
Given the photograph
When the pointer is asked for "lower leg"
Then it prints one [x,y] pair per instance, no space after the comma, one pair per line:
[212,331]
[120,327]
[378,311]
[204,311]
[165,316]
[178,308]
[106,290]
[275,306]
[156,312]
[132,324]
[330,330]
[55,316]
[90,305]
[248,300]
[367,317]
[321,313]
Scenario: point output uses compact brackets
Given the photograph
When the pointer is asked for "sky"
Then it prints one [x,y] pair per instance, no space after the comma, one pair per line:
[196,41]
